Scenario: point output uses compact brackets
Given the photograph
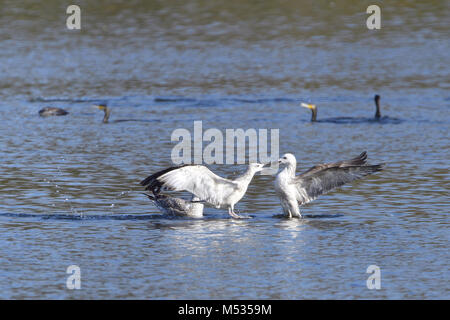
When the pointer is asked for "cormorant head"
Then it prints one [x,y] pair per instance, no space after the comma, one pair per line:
[103,106]
[313,109]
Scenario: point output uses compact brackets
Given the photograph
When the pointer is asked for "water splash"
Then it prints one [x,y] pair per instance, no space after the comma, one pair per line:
[59,190]
[118,197]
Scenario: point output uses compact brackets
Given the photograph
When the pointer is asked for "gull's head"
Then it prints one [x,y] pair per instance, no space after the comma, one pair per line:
[256,167]
[287,159]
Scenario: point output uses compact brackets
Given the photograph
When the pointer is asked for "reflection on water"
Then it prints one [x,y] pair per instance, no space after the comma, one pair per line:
[70,185]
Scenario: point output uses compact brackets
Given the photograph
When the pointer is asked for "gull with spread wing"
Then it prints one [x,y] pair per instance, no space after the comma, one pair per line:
[298,190]
[204,184]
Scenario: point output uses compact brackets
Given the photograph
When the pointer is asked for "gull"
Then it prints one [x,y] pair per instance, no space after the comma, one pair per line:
[173,206]
[298,190]
[204,184]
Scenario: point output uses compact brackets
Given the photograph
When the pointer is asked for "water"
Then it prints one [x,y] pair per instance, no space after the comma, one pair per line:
[69,185]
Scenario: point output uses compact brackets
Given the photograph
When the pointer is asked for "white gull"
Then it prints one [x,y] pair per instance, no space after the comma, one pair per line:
[204,184]
[298,190]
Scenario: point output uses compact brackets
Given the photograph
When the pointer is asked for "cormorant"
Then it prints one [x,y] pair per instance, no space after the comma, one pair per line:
[106,110]
[377,116]
[52,111]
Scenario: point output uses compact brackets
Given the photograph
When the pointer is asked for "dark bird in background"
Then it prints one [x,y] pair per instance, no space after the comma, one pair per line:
[51,111]
[377,104]
[107,114]
[377,117]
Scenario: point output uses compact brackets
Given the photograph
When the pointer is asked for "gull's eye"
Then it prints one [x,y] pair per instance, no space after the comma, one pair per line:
[284,158]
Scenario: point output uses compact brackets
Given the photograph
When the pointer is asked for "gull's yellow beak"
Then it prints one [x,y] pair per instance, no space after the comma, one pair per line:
[101,107]
[309,106]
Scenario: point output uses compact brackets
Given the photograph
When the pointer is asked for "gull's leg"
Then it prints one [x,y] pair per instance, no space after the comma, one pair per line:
[232,214]
[294,209]
[287,211]
[286,208]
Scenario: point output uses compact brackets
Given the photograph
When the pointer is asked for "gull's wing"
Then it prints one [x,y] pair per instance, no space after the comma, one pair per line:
[196,179]
[323,178]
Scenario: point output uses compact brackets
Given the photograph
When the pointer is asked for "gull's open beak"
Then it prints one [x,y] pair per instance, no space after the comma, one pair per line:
[270,168]
[306,105]
[269,164]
